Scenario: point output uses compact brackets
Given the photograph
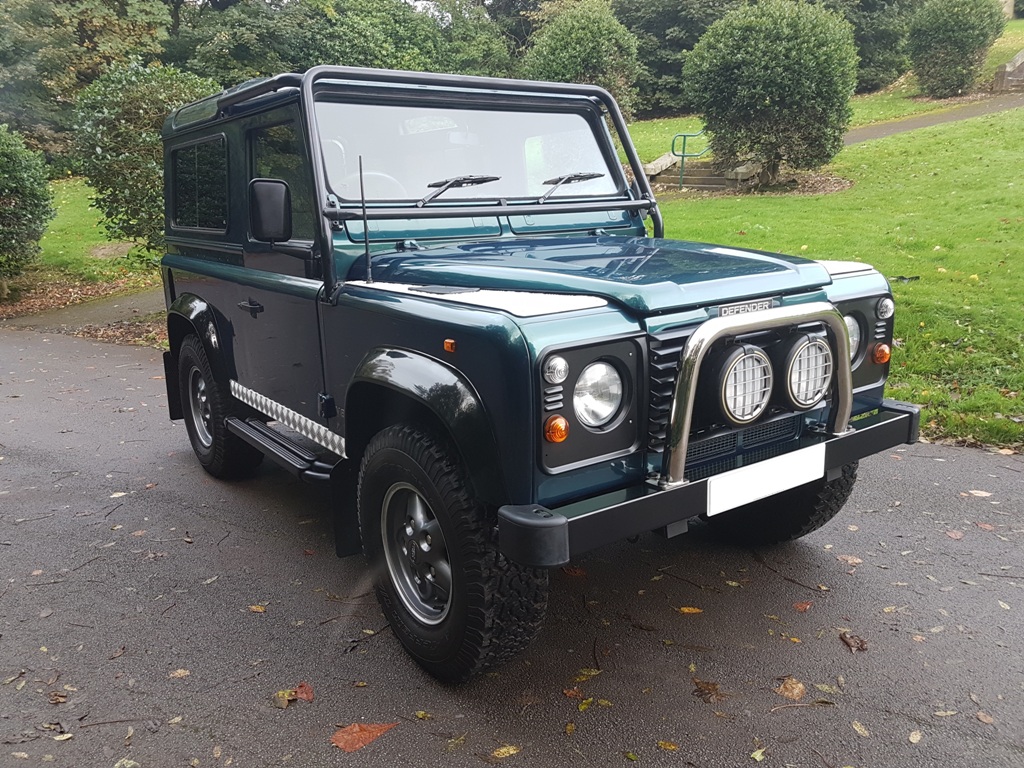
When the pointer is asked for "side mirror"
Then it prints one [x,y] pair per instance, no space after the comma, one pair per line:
[270,210]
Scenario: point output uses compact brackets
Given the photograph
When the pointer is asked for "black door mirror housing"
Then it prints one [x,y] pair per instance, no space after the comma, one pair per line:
[270,210]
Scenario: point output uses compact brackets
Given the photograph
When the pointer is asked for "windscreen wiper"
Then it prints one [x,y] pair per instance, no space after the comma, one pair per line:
[569,178]
[442,186]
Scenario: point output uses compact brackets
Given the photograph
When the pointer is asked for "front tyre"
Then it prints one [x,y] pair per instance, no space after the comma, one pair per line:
[454,601]
[207,404]
[788,515]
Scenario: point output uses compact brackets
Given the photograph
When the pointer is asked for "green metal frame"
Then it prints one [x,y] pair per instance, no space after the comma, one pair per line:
[682,154]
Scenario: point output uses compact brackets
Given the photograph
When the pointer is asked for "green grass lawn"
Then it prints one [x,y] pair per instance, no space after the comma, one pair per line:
[952,222]
[75,246]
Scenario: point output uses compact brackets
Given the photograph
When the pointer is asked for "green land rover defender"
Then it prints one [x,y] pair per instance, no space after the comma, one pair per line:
[439,295]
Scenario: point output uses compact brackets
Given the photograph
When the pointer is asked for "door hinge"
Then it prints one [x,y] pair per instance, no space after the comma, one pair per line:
[326,406]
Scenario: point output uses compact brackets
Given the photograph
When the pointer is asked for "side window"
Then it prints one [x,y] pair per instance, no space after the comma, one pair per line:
[278,153]
[200,187]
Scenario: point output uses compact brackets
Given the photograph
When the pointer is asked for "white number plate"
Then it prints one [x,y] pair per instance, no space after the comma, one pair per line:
[766,478]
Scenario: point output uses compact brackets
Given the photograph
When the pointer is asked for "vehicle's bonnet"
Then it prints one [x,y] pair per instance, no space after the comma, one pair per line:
[646,275]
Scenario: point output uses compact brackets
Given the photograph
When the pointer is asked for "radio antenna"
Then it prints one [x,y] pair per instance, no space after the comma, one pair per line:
[366,226]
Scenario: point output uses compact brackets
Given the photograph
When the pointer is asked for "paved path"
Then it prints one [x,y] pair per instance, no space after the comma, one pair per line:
[96,312]
[126,576]
[998,103]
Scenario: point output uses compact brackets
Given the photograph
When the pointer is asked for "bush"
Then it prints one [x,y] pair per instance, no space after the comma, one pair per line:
[880,34]
[117,123]
[581,41]
[773,82]
[26,206]
[949,40]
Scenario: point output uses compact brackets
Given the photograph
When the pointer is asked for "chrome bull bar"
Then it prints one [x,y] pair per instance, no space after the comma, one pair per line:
[681,413]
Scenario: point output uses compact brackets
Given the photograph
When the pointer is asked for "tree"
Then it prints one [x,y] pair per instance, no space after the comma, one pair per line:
[371,33]
[474,44]
[880,33]
[949,40]
[50,50]
[25,205]
[118,120]
[666,31]
[581,41]
[773,82]
[514,18]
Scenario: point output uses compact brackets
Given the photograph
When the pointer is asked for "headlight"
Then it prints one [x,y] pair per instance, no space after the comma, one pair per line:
[854,328]
[808,371]
[745,385]
[598,394]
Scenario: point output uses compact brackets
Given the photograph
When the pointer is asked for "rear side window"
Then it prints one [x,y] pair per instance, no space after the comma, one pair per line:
[200,186]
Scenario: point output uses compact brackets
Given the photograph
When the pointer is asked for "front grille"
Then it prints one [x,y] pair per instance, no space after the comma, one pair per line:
[709,451]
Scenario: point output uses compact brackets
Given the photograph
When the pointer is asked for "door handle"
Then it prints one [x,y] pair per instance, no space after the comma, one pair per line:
[251,306]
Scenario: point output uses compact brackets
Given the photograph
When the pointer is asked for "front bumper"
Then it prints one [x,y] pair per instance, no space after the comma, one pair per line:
[536,536]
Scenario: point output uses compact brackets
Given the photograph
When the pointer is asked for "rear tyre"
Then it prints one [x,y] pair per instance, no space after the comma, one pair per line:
[788,515]
[456,604]
[207,404]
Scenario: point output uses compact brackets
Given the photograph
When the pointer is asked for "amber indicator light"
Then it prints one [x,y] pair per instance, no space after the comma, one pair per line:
[882,354]
[556,429]
[449,345]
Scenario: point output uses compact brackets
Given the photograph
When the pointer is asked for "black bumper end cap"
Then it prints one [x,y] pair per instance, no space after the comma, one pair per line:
[534,536]
[897,406]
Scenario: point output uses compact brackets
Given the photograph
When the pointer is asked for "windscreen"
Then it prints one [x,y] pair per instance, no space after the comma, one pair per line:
[406,148]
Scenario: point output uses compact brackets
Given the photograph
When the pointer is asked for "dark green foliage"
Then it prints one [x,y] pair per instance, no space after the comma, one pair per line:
[581,41]
[880,33]
[118,120]
[773,82]
[949,40]
[666,30]
[474,44]
[25,205]
[370,33]
[514,18]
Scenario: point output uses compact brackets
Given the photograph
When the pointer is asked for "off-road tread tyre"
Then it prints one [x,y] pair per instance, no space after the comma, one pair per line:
[498,605]
[788,515]
[229,456]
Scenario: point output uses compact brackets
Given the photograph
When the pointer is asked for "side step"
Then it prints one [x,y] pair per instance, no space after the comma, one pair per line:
[289,454]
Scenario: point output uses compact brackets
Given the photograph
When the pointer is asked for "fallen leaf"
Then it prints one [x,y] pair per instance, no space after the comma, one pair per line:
[56,697]
[585,674]
[63,737]
[603,703]
[981,494]
[791,688]
[732,583]
[945,713]
[572,693]
[119,652]
[915,737]
[139,533]
[283,698]
[918,638]
[668,746]
[456,743]
[688,609]
[179,673]
[986,718]
[257,609]
[118,495]
[986,526]
[803,607]
[853,642]
[955,535]
[359,684]
[211,580]
[357,735]
[758,754]
[859,728]
[1004,606]
[574,570]
[631,756]
[851,560]
[708,691]
[570,729]
[585,704]
[304,691]
[827,689]
[309,552]
[423,715]
[507,751]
